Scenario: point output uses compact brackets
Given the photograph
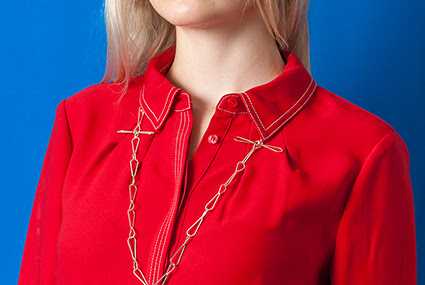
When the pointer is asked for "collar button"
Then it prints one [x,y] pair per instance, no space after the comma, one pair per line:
[233,101]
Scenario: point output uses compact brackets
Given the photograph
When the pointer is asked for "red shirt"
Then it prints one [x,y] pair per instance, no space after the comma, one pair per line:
[334,206]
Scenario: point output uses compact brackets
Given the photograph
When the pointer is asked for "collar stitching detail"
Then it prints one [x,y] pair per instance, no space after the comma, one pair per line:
[255,122]
[283,113]
[231,111]
[223,98]
[163,109]
[188,100]
[166,100]
[293,114]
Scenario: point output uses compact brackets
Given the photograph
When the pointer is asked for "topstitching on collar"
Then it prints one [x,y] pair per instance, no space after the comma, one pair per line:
[270,106]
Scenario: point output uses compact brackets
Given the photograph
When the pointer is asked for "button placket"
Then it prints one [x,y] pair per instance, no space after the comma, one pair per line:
[213,137]
[215,133]
[161,245]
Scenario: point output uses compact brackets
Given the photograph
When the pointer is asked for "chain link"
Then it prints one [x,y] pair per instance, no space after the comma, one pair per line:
[193,229]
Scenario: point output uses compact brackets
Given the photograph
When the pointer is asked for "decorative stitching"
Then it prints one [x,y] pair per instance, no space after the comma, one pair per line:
[175,178]
[156,242]
[222,99]
[179,159]
[181,110]
[311,82]
[140,102]
[166,219]
[166,100]
[293,114]
[189,103]
[168,95]
[260,129]
[165,105]
[231,111]
[162,242]
[176,174]
[177,183]
[169,106]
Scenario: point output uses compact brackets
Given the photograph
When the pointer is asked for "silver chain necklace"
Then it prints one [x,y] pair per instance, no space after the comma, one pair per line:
[193,229]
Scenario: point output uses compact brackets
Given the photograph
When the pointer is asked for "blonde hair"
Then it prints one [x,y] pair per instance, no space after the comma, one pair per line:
[136,33]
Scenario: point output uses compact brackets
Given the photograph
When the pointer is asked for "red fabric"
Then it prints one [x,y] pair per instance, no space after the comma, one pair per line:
[335,207]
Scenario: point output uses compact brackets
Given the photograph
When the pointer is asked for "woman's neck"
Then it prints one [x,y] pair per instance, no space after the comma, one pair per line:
[222,58]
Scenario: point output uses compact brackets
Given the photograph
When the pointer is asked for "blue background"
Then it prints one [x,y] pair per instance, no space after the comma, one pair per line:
[369,52]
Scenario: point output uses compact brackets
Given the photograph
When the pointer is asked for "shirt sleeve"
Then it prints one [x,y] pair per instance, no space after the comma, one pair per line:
[39,256]
[375,241]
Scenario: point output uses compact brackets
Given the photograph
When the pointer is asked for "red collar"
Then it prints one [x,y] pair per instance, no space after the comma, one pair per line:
[270,105]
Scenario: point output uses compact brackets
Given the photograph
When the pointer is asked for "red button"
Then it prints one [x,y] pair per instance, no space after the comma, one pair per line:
[233,101]
[213,139]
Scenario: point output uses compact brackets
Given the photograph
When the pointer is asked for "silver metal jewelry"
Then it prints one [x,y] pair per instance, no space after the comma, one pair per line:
[193,229]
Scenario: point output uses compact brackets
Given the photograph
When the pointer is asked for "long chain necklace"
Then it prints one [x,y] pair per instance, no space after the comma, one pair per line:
[193,229]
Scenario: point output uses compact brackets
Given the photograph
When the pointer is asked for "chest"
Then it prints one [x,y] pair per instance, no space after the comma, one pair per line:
[260,228]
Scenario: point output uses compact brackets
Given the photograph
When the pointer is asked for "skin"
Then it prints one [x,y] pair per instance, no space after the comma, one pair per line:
[222,47]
